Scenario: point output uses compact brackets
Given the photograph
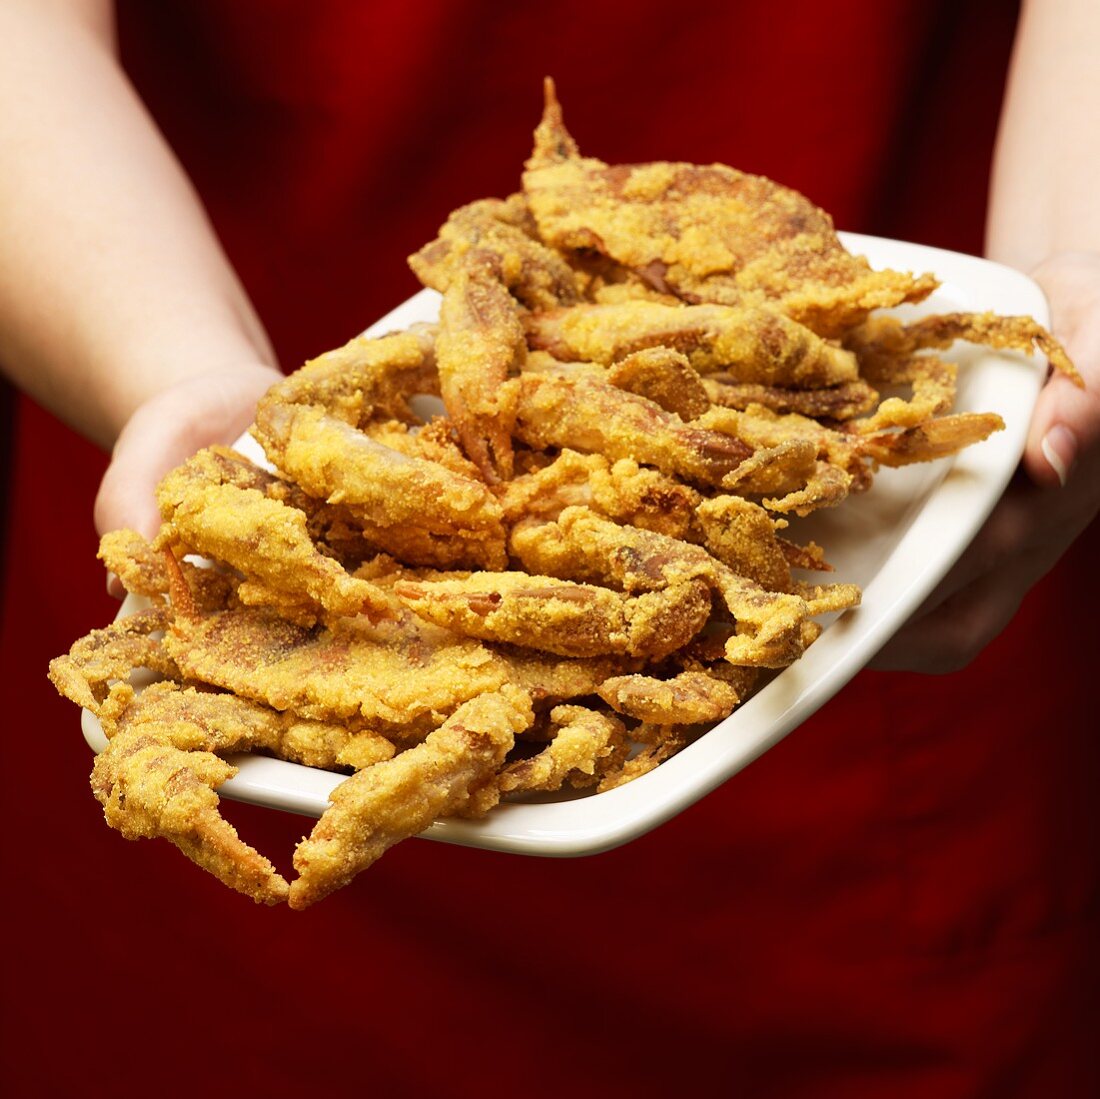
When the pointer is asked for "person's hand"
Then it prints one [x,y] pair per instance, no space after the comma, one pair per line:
[213,407]
[1053,497]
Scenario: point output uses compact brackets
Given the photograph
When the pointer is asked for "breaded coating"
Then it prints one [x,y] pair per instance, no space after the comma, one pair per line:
[148,789]
[436,441]
[379,486]
[623,490]
[538,276]
[580,543]
[881,341]
[393,675]
[584,745]
[747,343]
[686,699]
[645,367]
[933,391]
[825,598]
[557,616]
[706,233]
[262,538]
[659,742]
[742,535]
[664,376]
[590,416]
[367,378]
[158,776]
[384,804]
[834,402]
[111,654]
[548,680]
[826,487]
[931,440]
[214,721]
[141,569]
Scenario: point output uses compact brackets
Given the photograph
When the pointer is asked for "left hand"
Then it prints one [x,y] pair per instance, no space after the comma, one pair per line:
[1053,497]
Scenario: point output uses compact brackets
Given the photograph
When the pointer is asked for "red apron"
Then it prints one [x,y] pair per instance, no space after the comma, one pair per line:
[900,899]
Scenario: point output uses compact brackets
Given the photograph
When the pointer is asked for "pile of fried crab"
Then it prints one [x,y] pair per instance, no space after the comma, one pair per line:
[645,370]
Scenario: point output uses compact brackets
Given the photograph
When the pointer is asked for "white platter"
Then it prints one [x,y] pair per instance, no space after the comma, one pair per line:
[895,541]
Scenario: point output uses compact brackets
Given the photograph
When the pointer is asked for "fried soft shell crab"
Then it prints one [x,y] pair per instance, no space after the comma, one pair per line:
[646,369]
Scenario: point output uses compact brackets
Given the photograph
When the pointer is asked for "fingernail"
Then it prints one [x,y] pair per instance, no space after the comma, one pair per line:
[1059,447]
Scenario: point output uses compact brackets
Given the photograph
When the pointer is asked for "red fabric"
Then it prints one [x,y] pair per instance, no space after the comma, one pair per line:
[901,898]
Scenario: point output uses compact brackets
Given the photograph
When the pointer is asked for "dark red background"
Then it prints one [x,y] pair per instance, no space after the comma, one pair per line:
[899,899]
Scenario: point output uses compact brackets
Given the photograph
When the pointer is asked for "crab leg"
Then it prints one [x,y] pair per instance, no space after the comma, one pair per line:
[384,804]
[693,697]
[214,721]
[929,441]
[835,402]
[377,485]
[880,340]
[770,629]
[591,416]
[110,654]
[557,616]
[365,377]
[749,343]
[535,274]
[264,539]
[149,788]
[480,342]
[585,745]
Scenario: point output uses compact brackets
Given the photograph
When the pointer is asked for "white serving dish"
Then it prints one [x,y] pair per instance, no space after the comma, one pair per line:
[896,541]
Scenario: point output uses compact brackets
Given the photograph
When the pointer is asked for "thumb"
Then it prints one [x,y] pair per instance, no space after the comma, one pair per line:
[127,493]
[1066,421]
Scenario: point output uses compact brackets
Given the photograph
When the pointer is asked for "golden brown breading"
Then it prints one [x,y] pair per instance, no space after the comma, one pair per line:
[706,233]
[664,376]
[685,699]
[538,276]
[264,539]
[381,805]
[111,654]
[541,612]
[388,493]
[643,366]
[141,569]
[584,745]
[396,675]
[215,721]
[748,343]
[590,416]
[881,341]
[659,742]
[742,535]
[158,775]
[834,402]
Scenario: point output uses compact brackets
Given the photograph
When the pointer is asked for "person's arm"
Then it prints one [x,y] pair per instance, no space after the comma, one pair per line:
[1044,218]
[118,309]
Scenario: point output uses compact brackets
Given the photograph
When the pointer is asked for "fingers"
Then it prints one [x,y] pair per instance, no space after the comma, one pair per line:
[949,637]
[1066,424]
[1004,534]
[1020,542]
[126,493]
